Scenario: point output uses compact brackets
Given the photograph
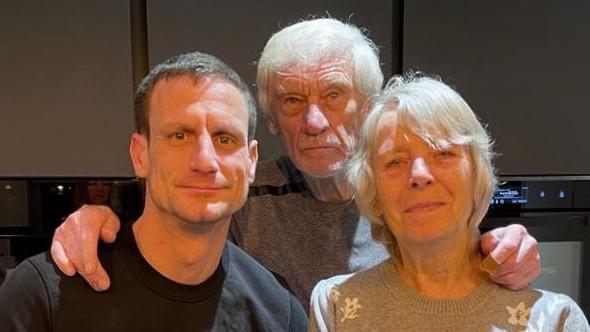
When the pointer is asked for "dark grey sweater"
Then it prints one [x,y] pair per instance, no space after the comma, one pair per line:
[299,237]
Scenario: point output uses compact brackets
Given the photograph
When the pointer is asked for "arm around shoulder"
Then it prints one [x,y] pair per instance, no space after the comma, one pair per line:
[24,300]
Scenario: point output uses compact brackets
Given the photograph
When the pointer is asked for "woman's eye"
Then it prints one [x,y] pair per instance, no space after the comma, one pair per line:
[394,162]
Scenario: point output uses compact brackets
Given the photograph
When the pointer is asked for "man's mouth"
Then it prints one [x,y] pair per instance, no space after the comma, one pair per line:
[203,188]
[319,147]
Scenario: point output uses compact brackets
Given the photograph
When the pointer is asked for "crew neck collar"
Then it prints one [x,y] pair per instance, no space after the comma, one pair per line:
[424,305]
[163,286]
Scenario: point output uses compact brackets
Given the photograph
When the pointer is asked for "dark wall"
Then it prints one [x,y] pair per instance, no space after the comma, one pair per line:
[524,68]
[67,71]
[66,88]
[68,76]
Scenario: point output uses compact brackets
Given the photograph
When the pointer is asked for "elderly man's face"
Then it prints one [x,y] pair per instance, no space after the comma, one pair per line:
[198,163]
[425,194]
[315,110]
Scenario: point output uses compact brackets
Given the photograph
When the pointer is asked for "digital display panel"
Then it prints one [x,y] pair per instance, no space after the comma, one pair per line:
[510,195]
[514,196]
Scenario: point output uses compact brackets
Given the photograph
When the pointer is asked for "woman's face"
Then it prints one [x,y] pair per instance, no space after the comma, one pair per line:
[98,192]
[424,194]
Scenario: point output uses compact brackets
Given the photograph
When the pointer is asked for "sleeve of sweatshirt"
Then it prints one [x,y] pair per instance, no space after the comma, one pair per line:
[298,317]
[25,301]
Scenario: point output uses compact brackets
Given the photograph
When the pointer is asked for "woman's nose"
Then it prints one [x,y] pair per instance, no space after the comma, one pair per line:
[420,175]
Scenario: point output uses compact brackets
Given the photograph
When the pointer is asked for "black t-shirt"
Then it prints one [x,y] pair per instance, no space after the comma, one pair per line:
[240,296]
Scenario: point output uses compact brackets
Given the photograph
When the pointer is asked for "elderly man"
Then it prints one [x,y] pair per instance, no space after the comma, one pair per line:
[314,79]
[172,269]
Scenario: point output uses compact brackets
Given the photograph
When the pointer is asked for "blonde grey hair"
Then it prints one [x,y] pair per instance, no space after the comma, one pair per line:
[437,114]
[307,43]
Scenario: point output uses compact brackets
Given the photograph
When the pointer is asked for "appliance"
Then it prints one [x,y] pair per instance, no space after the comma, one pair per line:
[556,211]
[14,203]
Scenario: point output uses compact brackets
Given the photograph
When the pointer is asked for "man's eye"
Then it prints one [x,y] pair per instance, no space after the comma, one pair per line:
[179,136]
[292,100]
[224,139]
[333,95]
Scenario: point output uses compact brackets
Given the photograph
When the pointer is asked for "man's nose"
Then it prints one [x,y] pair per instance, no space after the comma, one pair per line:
[315,121]
[203,156]
[420,176]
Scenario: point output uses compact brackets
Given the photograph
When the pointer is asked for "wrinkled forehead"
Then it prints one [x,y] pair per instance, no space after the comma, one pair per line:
[328,70]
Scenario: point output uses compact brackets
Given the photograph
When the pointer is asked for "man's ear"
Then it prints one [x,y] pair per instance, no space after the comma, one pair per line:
[138,150]
[253,160]
[272,126]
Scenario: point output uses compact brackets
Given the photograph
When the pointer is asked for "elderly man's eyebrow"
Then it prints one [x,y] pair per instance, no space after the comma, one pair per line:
[335,80]
[289,86]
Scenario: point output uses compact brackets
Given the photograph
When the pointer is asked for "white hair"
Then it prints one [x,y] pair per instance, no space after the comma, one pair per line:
[437,114]
[307,43]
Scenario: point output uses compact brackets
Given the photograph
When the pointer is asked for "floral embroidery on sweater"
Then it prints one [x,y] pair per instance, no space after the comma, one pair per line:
[519,315]
[350,307]
[334,295]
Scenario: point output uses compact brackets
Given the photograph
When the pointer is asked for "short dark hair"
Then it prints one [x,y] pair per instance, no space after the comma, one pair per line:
[197,65]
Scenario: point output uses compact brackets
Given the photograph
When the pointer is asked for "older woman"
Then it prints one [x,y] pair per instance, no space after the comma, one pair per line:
[423,175]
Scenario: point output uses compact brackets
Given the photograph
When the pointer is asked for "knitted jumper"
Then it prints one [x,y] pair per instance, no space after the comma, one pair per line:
[377,300]
[299,237]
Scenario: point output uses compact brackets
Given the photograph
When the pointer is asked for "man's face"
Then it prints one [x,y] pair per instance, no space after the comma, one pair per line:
[198,163]
[316,112]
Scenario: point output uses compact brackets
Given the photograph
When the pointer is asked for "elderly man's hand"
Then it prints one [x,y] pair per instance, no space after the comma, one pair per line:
[517,254]
[74,245]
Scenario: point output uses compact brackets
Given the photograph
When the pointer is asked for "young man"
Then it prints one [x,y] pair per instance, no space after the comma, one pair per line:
[173,268]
